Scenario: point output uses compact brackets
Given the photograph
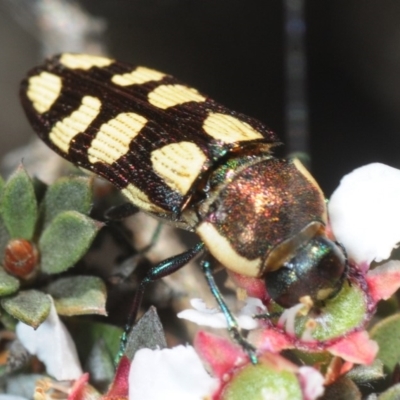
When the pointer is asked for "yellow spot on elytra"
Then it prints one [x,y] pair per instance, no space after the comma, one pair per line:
[44,90]
[229,129]
[223,251]
[64,131]
[140,199]
[138,76]
[114,137]
[84,61]
[179,164]
[166,96]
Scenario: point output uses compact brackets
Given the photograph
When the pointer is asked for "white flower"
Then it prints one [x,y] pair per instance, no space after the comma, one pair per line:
[201,315]
[365,212]
[175,373]
[53,345]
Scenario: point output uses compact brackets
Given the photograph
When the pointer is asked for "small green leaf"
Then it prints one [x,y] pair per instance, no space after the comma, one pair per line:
[66,240]
[79,295]
[367,374]
[30,306]
[9,323]
[340,315]
[8,284]
[387,334]
[19,205]
[262,382]
[87,333]
[66,194]
[392,393]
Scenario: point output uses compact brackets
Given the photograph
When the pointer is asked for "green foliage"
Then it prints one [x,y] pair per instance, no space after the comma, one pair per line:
[55,220]
[18,205]
[65,240]
[29,306]
[78,295]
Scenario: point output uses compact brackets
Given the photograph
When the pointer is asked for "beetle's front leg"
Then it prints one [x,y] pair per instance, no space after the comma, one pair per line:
[233,326]
[162,269]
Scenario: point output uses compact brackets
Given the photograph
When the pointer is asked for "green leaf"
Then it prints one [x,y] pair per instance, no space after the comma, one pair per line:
[87,333]
[340,315]
[392,393]
[387,334]
[9,323]
[31,307]
[19,205]
[367,374]
[8,284]
[66,240]
[66,194]
[79,295]
[262,382]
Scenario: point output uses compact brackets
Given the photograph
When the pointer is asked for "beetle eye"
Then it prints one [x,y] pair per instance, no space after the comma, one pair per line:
[316,270]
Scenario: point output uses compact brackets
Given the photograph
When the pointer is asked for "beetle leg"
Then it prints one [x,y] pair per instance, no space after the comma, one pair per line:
[233,326]
[162,269]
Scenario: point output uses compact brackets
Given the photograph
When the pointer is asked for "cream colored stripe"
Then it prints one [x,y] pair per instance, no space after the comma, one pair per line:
[138,76]
[220,247]
[140,199]
[166,96]
[84,61]
[229,129]
[179,164]
[114,137]
[44,90]
[64,131]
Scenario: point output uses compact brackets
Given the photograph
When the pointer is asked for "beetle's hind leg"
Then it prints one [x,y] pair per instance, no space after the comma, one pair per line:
[233,326]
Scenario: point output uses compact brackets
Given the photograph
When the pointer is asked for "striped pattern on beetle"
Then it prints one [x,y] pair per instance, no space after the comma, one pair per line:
[179,155]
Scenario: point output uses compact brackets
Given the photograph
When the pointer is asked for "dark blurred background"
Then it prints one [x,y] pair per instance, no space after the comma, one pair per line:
[234,51]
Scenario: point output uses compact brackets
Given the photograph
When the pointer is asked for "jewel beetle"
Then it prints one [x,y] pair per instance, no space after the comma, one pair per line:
[185,159]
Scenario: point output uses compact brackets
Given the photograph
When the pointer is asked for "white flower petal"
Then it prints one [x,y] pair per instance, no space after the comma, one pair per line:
[201,315]
[169,374]
[216,320]
[253,306]
[365,212]
[53,345]
[288,318]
